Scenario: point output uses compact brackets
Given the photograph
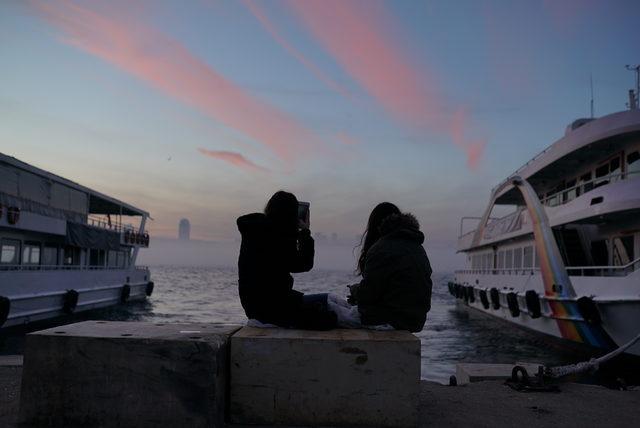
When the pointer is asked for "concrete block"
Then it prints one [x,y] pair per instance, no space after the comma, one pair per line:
[469,373]
[125,374]
[325,378]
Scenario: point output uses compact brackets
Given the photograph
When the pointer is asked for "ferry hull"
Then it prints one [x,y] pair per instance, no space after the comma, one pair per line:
[38,295]
[615,323]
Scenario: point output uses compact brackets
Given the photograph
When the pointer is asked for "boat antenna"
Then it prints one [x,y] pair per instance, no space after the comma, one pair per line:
[591,82]
[633,96]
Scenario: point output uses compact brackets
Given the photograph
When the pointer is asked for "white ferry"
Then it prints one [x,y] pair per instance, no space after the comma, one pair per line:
[565,261]
[63,247]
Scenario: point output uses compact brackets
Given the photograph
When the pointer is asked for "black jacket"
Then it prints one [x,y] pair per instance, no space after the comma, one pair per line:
[396,282]
[267,257]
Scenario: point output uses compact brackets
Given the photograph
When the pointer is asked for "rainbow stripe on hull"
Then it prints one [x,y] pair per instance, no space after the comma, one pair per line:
[557,284]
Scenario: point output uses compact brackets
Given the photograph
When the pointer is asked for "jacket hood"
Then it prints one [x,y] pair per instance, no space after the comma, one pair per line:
[252,223]
[402,226]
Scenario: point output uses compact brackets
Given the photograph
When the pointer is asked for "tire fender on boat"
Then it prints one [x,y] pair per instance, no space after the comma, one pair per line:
[470,294]
[70,301]
[5,308]
[149,289]
[512,301]
[589,310]
[484,299]
[125,293]
[495,298]
[533,303]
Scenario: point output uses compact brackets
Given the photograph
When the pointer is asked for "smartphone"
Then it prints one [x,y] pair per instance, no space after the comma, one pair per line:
[303,213]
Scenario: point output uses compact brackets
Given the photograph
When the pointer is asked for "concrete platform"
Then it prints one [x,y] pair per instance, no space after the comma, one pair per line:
[331,378]
[121,374]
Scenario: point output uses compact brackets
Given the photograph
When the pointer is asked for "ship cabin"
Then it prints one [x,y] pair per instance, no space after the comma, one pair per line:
[588,185]
[50,223]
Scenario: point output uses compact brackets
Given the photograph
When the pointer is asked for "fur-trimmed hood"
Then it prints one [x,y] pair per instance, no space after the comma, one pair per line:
[402,226]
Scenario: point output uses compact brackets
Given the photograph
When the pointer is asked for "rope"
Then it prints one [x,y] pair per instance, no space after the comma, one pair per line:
[593,364]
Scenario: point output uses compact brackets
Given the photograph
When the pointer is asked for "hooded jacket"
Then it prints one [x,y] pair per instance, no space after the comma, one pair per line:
[267,257]
[396,282]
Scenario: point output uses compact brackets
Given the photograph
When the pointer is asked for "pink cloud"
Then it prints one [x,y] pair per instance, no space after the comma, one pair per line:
[233,158]
[170,67]
[359,37]
[258,12]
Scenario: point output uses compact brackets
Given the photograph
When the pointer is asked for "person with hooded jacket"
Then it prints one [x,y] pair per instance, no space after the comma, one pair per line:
[274,245]
[396,280]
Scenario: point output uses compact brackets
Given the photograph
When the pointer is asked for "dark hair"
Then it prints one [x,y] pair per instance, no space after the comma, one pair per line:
[372,233]
[282,211]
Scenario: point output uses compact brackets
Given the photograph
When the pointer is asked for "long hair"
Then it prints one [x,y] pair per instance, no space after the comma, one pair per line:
[372,232]
[282,211]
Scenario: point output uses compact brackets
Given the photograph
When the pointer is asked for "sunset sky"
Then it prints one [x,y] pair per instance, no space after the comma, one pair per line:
[203,108]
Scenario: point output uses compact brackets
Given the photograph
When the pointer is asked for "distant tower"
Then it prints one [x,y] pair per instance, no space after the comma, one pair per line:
[184,229]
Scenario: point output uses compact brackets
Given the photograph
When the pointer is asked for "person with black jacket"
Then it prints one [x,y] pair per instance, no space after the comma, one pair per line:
[274,245]
[396,275]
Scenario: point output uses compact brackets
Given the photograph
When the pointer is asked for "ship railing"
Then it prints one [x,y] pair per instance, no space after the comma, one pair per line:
[570,193]
[104,224]
[622,270]
[30,268]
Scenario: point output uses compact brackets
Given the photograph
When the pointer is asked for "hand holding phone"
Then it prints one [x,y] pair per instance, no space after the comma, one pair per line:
[304,218]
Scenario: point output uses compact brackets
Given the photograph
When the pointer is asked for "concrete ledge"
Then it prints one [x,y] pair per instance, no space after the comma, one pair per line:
[338,377]
[120,374]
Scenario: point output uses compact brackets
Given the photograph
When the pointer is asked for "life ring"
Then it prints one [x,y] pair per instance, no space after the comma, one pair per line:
[13,215]
[125,293]
[512,302]
[70,301]
[484,299]
[533,304]
[589,310]
[5,308]
[470,294]
[495,298]
[149,288]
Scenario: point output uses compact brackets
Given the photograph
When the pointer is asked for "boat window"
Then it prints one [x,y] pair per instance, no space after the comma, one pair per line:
[31,254]
[633,163]
[50,255]
[614,166]
[96,258]
[571,193]
[517,258]
[527,259]
[602,170]
[500,259]
[623,250]
[586,178]
[10,252]
[71,256]
[112,258]
[600,253]
[508,260]
[536,260]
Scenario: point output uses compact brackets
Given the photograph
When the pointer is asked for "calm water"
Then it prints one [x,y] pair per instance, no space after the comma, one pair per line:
[452,334]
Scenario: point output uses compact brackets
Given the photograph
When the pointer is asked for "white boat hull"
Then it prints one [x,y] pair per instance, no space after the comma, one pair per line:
[36,295]
[619,310]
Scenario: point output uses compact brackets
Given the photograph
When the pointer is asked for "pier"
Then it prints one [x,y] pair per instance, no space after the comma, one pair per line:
[138,374]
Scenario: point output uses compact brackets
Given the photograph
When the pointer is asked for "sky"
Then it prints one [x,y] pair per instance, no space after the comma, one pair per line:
[204,108]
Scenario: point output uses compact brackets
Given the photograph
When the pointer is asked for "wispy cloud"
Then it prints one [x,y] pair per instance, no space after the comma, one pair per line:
[359,37]
[170,67]
[259,13]
[233,158]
